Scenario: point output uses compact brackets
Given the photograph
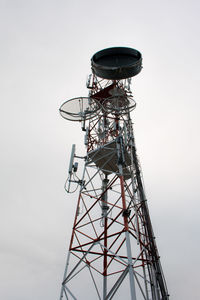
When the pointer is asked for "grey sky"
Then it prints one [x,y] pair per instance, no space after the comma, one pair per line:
[46,48]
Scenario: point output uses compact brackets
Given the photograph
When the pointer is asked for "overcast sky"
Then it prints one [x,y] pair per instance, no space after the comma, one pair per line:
[46,48]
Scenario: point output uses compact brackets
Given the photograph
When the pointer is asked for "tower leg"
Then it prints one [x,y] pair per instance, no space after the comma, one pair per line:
[104,207]
[65,273]
[128,244]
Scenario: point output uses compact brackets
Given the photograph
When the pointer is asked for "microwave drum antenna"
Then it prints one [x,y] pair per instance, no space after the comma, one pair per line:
[117,63]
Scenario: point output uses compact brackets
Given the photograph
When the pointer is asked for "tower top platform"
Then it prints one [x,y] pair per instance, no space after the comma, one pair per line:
[116,63]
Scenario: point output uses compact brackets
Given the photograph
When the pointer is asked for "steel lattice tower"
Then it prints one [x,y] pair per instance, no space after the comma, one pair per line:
[112,252]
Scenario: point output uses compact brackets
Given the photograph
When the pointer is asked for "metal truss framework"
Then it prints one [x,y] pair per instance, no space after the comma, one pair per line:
[112,243]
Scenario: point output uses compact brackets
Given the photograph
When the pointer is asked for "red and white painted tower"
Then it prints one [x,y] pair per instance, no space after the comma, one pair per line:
[112,252]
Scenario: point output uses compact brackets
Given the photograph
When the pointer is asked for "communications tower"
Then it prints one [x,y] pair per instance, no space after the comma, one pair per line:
[112,252]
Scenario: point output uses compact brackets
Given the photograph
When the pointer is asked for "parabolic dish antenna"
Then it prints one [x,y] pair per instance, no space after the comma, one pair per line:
[119,105]
[117,63]
[118,102]
[79,109]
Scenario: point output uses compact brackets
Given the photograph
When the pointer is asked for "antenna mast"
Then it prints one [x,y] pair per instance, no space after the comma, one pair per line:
[112,252]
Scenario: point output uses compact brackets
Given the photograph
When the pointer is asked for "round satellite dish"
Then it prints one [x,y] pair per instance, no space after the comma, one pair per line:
[79,109]
[117,63]
[119,104]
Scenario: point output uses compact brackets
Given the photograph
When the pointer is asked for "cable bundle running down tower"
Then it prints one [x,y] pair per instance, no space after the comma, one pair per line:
[112,252]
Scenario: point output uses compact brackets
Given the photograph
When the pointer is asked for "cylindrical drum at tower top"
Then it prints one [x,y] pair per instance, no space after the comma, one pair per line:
[116,63]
